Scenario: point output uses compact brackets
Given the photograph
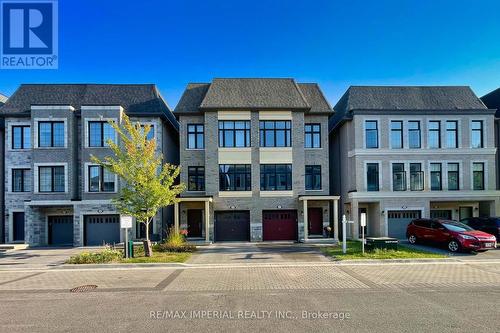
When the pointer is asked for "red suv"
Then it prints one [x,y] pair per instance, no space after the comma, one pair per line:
[457,236]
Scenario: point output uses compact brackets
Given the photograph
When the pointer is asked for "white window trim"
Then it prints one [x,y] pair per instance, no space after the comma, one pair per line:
[86,136]
[86,180]
[9,178]
[378,132]
[34,132]
[485,176]
[8,135]
[365,176]
[36,176]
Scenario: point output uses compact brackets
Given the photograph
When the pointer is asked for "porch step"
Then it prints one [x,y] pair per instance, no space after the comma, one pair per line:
[13,247]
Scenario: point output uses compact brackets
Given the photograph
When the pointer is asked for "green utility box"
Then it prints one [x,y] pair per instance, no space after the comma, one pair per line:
[387,243]
[130,249]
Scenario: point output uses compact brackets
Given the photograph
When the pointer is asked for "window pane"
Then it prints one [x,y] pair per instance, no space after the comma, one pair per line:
[44,131]
[372,177]
[94,179]
[27,137]
[308,140]
[191,140]
[17,181]
[109,181]
[58,134]
[280,138]
[229,139]
[200,144]
[269,139]
[45,177]
[17,134]
[109,133]
[59,179]
[95,138]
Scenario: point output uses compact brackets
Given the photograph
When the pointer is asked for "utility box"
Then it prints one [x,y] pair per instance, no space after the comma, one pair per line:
[387,243]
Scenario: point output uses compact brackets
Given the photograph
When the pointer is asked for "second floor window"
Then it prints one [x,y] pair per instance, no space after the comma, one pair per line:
[275,177]
[21,137]
[195,136]
[477,134]
[51,134]
[478,176]
[416,177]
[196,178]
[51,179]
[434,134]
[312,137]
[436,177]
[99,133]
[372,183]
[100,179]
[151,133]
[396,134]
[235,177]
[398,177]
[453,176]
[21,180]
[452,134]
[371,134]
[414,137]
[313,177]
[275,133]
[234,133]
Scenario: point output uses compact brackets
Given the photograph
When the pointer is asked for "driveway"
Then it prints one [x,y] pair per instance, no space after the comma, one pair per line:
[38,257]
[251,253]
[465,256]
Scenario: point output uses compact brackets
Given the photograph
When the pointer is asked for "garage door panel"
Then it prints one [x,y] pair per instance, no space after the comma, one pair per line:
[398,222]
[232,226]
[279,225]
[60,230]
[102,229]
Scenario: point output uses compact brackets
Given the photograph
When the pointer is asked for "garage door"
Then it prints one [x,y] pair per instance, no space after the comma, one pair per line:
[100,229]
[398,221]
[279,225]
[232,226]
[60,230]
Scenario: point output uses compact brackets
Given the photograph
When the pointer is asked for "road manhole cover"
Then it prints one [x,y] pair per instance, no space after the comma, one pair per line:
[82,289]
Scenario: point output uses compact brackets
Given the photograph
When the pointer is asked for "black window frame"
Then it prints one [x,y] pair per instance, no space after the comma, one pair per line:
[482,172]
[233,173]
[312,171]
[431,130]
[413,131]
[440,173]
[52,185]
[52,123]
[402,176]
[24,176]
[481,133]
[263,131]
[453,130]
[196,132]
[416,177]
[22,127]
[395,131]
[367,131]
[271,171]
[194,171]
[457,172]
[375,187]
[102,142]
[101,180]
[309,130]
[233,131]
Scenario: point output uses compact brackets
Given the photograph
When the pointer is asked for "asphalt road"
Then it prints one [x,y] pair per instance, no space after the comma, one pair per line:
[395,310]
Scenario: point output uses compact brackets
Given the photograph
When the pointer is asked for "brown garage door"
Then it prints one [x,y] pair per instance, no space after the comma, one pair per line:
[232,226]
[279,225]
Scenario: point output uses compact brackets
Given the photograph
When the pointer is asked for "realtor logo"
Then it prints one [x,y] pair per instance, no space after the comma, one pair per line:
[28,34]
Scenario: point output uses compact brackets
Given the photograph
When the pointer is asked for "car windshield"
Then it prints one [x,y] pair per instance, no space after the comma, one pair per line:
[456,226]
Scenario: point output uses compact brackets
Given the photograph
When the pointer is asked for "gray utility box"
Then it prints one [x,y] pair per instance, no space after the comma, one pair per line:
[387,243]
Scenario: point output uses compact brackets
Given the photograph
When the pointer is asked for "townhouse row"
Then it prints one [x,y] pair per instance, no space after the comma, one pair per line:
[262,160]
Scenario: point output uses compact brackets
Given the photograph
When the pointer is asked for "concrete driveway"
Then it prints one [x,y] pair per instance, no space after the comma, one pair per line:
[39,257]
[466,256]
[251,253]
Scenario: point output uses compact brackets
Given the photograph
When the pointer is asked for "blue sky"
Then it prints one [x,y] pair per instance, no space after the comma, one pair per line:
[334,43]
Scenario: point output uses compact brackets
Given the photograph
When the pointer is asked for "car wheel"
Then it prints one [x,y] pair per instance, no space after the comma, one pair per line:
[454,246]
[412,239]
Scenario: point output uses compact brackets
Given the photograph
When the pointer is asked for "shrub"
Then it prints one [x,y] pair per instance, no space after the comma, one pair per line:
[167,247]
[101,257]
[175,238]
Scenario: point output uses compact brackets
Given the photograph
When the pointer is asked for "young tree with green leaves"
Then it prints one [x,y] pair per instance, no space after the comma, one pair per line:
[148,184]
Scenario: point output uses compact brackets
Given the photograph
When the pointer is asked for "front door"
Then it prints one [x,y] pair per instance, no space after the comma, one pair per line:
[18,219]
[194,222]
[315,221]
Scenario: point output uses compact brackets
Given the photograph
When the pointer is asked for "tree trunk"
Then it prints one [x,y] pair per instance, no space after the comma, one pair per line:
[148,248]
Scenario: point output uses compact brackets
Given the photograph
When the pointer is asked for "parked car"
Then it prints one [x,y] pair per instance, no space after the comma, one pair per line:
[455,235]
[490,225]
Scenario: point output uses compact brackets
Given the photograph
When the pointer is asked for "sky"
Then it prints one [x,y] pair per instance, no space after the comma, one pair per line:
[334,43]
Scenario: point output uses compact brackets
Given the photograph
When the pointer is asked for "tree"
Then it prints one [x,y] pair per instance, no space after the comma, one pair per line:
[148,184]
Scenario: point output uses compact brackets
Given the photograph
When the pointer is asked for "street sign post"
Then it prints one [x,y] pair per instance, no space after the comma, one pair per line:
[344,231]
[125,224]
[363,225]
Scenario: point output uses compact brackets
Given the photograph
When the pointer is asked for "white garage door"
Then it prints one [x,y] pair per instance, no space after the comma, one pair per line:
[398,221]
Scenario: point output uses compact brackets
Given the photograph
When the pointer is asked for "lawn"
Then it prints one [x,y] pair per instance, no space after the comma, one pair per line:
[354,252]
[158,257]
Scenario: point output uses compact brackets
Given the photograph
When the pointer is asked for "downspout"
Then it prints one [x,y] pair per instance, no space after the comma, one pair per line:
[2,180]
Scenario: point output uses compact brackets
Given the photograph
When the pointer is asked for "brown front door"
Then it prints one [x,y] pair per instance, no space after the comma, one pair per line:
[315,221]
[194,222]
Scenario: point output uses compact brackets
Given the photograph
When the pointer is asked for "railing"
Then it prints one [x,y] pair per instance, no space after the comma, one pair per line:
[416,181]
[399,181]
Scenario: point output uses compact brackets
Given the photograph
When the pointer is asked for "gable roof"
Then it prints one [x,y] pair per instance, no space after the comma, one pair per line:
[405,98]
[134,98]
[3,99]
[492,101]
[253,93]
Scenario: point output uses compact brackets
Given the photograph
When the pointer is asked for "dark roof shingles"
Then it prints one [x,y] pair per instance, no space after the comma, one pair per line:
[192,97]
[492,101]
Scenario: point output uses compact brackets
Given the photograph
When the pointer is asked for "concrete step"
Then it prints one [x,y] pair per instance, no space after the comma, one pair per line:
[320,241]
[13,246]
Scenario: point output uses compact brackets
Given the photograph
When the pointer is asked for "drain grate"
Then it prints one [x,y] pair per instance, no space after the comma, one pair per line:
[82,289]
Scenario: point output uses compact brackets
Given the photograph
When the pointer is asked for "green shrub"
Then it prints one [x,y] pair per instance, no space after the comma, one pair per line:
[175,238]
[169,247]
[101,257]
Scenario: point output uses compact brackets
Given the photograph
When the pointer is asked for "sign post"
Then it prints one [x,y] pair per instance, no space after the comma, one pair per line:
[344,231]
[363,225]
[125,224]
